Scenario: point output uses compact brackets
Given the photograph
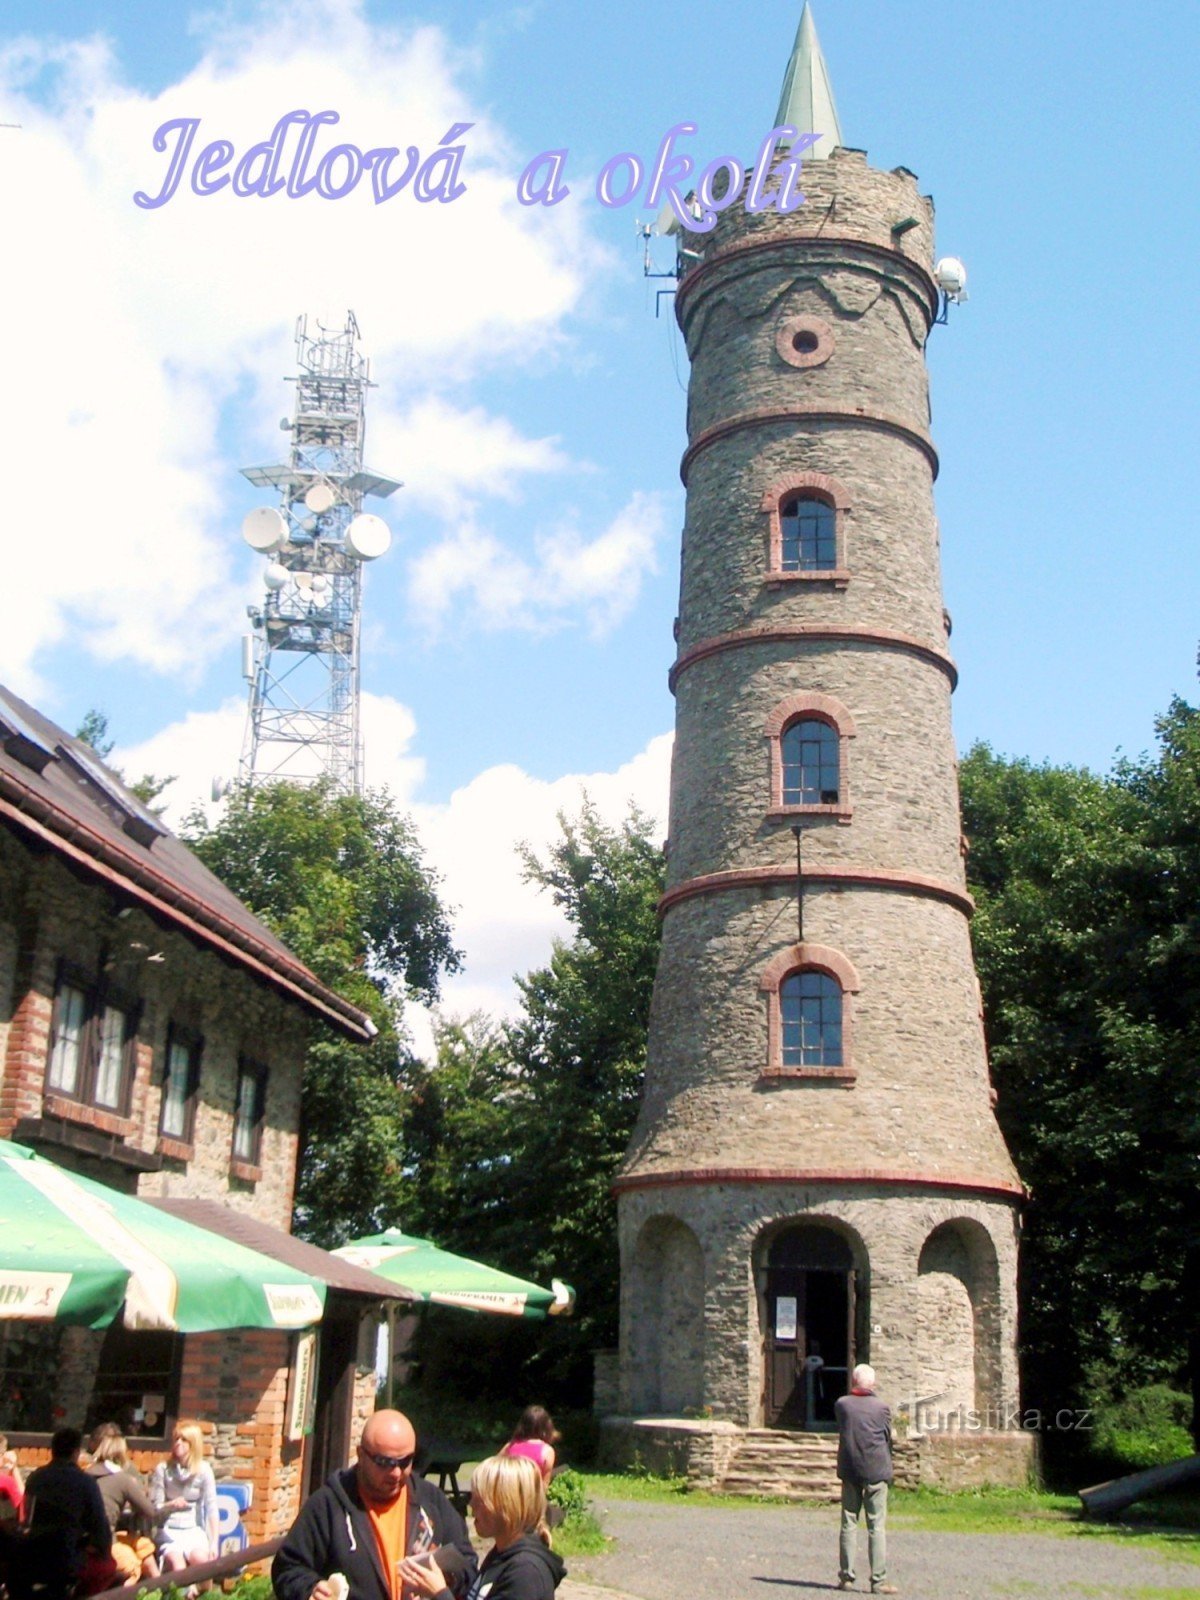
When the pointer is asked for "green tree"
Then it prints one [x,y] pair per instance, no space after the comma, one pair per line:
[341,880]
[93,731]
[1085,938]
[518,1132]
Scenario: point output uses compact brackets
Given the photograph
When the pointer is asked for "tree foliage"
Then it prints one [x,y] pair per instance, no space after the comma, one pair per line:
[517,1132]
[1087,939]
[341,880]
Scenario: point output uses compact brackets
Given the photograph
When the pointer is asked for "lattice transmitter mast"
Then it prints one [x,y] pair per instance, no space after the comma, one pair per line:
[302,657]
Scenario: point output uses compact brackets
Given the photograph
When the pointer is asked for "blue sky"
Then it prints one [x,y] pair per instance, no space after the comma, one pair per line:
[519,634]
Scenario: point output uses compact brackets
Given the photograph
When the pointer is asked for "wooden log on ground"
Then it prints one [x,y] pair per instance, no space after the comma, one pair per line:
[1106,1499]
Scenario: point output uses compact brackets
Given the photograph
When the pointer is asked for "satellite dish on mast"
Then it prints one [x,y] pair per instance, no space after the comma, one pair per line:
[951,278]
[275,576]
[320,498]
[368,537]
[265,529]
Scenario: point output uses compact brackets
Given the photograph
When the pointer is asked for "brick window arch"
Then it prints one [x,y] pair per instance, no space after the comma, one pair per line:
[808,736]
[806,537]
[809,990]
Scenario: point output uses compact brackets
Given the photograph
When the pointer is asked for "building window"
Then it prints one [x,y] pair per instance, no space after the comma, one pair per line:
[248,1112]
[809,991]
[806,532]
[91,1050]
[810,1011]
[181,1083]
[808,753]
[808,738]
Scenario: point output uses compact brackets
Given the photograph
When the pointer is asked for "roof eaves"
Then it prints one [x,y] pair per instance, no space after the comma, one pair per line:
[74,840]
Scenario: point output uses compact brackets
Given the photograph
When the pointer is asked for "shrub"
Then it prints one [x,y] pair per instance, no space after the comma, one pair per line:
[568,1490]
[1148,1427]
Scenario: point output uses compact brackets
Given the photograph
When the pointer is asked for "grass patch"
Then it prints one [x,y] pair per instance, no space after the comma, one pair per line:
[581,1535]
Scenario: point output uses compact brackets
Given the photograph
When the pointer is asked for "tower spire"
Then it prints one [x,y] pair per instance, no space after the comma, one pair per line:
[806,99]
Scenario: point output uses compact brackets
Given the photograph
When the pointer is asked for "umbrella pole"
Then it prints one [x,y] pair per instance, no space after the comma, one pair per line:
[391,1351]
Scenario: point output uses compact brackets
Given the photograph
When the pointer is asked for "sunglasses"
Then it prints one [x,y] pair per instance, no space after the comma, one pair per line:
[391,1463]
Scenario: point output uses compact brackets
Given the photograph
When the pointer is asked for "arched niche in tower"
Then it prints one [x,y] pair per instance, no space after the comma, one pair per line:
[813,1291]
[667,1281]
[958,1325]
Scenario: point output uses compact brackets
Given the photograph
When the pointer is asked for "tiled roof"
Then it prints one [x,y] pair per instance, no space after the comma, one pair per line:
[53,789]
[285,1247]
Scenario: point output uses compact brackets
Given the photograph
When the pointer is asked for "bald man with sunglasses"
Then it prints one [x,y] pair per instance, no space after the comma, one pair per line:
[370,1518]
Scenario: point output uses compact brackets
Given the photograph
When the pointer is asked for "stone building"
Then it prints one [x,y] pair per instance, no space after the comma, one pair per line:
[152,1036]
[816,1177]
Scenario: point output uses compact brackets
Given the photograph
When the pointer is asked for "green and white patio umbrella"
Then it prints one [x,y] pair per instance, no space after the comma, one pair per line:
[73,1250]
[449,1280]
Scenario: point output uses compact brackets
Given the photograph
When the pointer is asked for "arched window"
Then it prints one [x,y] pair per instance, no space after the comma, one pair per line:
[808,535]
[810,1017]
[808,737]
[809,761]
[806,539]
[809,990]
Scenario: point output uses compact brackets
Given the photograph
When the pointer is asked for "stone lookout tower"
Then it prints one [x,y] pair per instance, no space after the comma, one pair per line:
[817,1177]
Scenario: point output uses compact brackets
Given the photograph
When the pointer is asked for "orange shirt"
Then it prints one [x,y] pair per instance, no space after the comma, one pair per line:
[389,1523]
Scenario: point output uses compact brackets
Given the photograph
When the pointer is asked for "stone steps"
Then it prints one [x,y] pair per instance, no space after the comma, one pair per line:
[790,1466]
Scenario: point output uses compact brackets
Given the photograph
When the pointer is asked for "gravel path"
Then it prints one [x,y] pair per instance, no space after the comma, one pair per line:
[681,1552]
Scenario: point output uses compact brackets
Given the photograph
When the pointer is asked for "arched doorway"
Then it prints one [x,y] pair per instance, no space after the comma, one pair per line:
[809,1335]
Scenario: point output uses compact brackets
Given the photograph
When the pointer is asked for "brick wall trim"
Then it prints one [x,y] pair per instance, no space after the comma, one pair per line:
[886,878]
[814,633]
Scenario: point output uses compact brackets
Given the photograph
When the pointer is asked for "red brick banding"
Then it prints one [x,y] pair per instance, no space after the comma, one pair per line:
[813,633]
[785,877]
[835,1175]
[792,246]
[801,413]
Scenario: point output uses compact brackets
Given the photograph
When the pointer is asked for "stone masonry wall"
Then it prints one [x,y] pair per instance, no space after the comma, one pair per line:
[887,1228]
[48,916]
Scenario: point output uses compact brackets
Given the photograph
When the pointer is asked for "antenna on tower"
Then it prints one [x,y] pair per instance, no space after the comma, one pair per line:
[951,278]
[301,658]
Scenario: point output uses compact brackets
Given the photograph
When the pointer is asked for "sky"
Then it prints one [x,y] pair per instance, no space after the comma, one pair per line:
[531,381]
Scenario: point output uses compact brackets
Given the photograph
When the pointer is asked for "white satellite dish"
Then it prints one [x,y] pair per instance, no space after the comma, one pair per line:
[320,583]
[368,537]
[951,278]
[320,498]
[275,576]
[265,529]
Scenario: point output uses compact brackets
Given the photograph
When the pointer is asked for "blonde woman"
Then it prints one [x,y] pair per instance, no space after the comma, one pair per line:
[184,1487]
[122,1492]
[508,1505]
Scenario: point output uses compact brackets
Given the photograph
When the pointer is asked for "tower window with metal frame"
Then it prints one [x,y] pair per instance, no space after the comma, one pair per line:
[810,761]
[810,1009]
[808,529]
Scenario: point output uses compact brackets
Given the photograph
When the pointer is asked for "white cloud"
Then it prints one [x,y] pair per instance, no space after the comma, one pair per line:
[504,925]
[599,578]
[133,332]
[205,745]
[454,455]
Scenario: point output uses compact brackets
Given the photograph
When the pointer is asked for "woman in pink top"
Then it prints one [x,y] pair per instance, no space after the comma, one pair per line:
[534,1437]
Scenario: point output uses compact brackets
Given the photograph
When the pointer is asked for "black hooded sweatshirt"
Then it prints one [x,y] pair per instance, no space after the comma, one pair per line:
[333,1533]
[526,1570]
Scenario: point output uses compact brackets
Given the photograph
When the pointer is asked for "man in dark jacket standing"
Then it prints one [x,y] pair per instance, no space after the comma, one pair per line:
[865,1467]
[67,1533]
[367,1519]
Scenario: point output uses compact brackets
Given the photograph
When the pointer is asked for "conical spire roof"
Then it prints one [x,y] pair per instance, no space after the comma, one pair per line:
[806,99]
